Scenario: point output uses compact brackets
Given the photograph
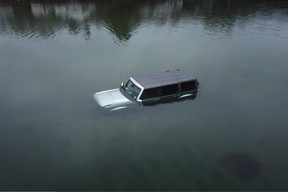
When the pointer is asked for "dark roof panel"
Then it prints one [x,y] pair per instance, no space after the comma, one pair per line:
[162,79]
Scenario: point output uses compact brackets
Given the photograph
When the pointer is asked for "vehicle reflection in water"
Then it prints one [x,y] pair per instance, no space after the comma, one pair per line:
[140,108]
[45,19]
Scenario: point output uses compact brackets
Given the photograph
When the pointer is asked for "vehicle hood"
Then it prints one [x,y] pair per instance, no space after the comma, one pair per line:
[110,98]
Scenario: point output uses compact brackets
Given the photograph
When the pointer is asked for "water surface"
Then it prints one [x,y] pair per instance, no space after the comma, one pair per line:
[56,54]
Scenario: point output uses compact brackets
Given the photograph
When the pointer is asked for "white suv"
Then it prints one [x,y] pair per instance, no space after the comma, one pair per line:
[149,90]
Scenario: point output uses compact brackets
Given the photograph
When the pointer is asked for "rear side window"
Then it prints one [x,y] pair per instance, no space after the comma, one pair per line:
[150,93]
[188,86]
[169,89]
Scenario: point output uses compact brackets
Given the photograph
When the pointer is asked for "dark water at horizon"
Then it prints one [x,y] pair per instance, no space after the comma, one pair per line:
[55,54]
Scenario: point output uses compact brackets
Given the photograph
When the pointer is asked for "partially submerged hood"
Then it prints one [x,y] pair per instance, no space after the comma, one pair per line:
[110,98]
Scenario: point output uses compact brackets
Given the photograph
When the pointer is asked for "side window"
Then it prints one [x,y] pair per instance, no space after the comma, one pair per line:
[150,93]
[188,86]
[169,89]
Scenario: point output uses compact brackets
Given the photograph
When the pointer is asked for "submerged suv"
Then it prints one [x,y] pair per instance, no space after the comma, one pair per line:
[149,90]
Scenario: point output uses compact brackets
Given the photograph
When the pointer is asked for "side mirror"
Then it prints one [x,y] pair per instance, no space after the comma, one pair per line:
[122,85]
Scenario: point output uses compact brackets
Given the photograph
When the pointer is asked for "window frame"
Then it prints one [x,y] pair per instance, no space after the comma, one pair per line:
[138,85]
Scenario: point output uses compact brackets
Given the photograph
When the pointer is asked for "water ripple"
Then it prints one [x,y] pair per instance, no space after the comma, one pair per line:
[44,20]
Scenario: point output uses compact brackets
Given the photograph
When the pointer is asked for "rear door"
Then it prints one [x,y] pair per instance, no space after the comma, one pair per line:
[188,89]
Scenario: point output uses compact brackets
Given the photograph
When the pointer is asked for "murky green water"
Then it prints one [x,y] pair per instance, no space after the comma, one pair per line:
[55,55]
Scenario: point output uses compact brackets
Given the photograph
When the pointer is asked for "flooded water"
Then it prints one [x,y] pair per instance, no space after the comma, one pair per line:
[54,55]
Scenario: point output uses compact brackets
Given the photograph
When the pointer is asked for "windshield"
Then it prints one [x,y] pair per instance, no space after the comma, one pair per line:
[132,89]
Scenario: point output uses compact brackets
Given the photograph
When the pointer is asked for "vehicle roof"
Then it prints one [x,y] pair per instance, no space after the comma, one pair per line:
[164,78]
